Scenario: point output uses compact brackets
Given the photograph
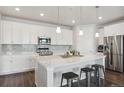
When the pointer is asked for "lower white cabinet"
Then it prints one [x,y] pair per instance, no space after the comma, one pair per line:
[16,63]
[5,64]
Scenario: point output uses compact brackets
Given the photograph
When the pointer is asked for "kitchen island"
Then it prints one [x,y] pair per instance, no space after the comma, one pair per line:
[49,69]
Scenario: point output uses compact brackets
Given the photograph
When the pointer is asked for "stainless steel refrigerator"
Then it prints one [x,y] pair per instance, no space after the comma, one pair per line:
[113,49]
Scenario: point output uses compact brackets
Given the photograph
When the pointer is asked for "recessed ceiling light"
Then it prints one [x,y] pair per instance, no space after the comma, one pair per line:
[17,9]
[73,21]
[100,17]
[41,14]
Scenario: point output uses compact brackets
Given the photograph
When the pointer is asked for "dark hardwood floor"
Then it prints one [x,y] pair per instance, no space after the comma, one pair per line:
[115,78]
[26,79]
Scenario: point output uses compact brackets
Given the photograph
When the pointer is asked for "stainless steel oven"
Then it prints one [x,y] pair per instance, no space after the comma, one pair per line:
[44,40]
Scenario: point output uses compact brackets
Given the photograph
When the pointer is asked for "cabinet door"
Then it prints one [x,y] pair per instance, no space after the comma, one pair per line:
[51,32]
[59,39]
[53,38]
[6,32]
[25,34]
[41,31]
[17,33]
[5,65]
[22,63]
[33,34]
[67,37]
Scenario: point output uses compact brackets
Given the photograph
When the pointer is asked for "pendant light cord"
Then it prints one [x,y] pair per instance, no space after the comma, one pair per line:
[58,15]
[97,7]
[80,16]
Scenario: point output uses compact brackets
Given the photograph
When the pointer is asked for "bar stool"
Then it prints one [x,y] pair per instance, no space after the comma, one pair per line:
[98,68]
[87,72]
[70,76]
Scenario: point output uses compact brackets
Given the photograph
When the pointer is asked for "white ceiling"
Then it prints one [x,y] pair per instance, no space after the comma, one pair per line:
[67,13]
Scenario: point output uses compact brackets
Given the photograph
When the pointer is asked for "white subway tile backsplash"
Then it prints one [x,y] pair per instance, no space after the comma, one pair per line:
[20,48]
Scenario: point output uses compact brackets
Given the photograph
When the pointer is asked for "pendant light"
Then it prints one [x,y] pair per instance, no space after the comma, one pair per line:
[81,31]
[97,17]
[58,29]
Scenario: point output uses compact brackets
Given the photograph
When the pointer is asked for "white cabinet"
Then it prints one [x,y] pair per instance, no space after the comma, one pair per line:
[6,32]
[16,33]
[67,37]
[33,35]
[54,37]
[63,38]
[42,31]
[5,64]
[16,63]
[23,33]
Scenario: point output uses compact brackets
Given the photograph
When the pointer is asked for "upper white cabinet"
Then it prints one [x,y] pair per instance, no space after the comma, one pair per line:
[66,38]
[33,35]
[115,29]
[6,28]
[23,33]
[16,33]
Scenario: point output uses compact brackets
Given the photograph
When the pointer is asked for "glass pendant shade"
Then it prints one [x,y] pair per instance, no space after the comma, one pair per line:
[58,30]
[97,35]
[81,33]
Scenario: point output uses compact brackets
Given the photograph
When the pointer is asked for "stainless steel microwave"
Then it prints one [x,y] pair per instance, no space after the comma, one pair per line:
[44,40]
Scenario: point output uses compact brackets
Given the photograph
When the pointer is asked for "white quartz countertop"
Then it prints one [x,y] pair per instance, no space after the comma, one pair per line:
[57,60]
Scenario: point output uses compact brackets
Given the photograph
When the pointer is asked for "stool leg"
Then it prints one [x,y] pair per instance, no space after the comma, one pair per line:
[69,82]
[78,82]
[80,74]
[103,71]
[61,81]
[99,80]
[104,76]
[95,76]
[86,79]
[89,77]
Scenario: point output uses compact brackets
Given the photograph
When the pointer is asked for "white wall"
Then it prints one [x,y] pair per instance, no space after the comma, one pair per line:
[114,29]
[101,36]
[86,43]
